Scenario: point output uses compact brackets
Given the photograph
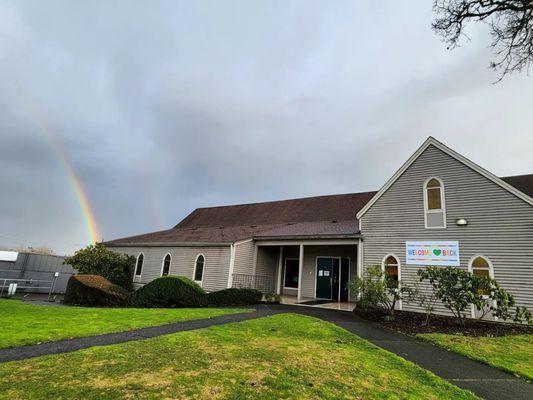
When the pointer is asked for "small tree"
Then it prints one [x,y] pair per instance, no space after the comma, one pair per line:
[375,290]
[453,287]
[99,260]
[425,299]
[458,290]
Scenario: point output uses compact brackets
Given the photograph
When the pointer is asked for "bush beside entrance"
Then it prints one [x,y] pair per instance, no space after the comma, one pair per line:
[179,291]
[234,297]
[171,291]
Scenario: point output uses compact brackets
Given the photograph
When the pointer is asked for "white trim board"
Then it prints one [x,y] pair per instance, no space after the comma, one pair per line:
[431,141]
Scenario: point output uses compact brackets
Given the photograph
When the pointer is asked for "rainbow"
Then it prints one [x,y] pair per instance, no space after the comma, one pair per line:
[75,181]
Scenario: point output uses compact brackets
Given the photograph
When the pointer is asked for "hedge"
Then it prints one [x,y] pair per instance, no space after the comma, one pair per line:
[233,296]
[94,290]
[171,291]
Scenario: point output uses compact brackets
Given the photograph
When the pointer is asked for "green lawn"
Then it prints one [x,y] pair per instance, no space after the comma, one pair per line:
[285,356]
[511,353]
[24,323]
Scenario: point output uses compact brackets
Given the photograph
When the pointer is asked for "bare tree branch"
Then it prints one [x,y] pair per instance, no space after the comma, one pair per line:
[511,28]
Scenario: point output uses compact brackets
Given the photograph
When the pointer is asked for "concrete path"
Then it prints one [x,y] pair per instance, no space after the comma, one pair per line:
[485,381]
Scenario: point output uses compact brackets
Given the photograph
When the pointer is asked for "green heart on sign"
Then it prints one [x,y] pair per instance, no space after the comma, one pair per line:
[437,252]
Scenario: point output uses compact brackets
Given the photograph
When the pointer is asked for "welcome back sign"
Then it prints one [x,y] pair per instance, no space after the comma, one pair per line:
[430,253]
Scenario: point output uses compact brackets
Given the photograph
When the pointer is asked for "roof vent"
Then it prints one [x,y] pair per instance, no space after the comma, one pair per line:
[253,226]
[290,223]
[220,227]
[334,221]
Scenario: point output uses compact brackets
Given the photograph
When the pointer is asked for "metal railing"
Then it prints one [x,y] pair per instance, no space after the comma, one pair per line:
[264,283]
[28,285]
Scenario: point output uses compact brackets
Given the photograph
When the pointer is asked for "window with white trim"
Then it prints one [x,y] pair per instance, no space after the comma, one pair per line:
[481,266]
[166,265]
[391,269]
[199,268]
[139,264]
[292,269]
[434,207]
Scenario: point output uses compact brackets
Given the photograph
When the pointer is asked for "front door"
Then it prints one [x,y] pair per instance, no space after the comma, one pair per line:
[324,278]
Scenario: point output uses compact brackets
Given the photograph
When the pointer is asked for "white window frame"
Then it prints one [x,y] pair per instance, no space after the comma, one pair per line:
[471,270]
[399,264]
[194,269]
[136,265]
[169,265]
[285,274]
[442,204]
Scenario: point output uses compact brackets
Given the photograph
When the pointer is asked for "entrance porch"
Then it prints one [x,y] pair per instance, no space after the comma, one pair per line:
[312,273]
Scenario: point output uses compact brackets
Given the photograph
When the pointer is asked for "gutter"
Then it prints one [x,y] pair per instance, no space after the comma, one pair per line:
[312,237]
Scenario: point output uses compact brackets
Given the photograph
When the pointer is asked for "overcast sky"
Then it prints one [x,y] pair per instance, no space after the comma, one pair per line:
[162,107]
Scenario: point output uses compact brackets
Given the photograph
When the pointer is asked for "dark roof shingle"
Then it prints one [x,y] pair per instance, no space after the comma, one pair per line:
[226,224]
[310,216]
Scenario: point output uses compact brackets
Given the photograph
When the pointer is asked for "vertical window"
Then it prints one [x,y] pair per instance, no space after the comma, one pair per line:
[292,267]
[435,213]
[391,269]
[166,265]
[139,265]
[199,268]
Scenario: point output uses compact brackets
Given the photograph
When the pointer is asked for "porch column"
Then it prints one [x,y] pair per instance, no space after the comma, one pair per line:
[300,271]
[280,270]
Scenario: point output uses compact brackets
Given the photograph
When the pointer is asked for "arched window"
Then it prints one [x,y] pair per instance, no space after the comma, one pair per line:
[391,268]
[481,266]
[199,268]
[166,265]
[434,207]
[139,264]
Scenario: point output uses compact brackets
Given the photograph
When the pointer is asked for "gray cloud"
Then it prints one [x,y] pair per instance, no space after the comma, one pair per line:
[164,106]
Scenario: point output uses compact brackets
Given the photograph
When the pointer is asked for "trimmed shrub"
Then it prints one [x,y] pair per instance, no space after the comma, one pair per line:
[95,290]
[272,297]
[99,260]
[171,291]
[234,297]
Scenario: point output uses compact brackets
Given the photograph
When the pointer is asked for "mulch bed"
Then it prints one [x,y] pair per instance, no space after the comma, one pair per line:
[413,323]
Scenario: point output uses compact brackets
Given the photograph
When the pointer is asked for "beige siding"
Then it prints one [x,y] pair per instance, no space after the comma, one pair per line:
[267,261]
[500,225]
[244,258]
[216,265]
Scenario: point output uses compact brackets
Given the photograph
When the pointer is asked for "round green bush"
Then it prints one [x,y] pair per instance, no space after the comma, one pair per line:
[234,297]
[171,291]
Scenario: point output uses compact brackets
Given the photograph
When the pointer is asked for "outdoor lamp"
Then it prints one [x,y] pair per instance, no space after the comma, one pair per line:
[461,221]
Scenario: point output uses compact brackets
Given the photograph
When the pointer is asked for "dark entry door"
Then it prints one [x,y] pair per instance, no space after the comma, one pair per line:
[324,277]
[345,277]
[336,280]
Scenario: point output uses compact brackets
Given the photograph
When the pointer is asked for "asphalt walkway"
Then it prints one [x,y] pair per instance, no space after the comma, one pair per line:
[485,381]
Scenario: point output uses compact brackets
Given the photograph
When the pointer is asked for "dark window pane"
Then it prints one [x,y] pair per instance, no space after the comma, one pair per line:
[166,265]
[434,199]
[481,273]
[480,262]
[291,273]
[391,269]
[139,267]
[433,183]
[199,271]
